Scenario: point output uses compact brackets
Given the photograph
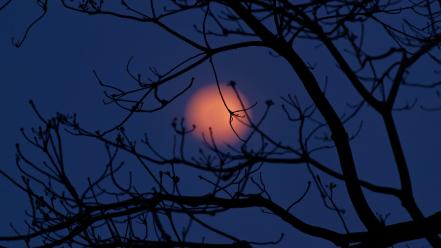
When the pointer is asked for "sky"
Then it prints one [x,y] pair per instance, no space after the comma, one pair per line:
[54,68]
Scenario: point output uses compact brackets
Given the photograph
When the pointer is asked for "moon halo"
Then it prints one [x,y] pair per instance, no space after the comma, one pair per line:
[206,110]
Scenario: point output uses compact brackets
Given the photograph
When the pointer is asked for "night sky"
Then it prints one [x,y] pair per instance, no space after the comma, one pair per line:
[54,67]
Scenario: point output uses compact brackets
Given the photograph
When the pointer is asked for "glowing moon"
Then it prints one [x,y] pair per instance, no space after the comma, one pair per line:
[207,110]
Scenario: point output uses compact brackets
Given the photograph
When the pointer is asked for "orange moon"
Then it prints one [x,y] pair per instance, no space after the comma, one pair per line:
[207,110]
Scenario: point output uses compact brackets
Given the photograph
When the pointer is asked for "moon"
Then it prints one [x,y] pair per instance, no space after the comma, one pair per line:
[206,110]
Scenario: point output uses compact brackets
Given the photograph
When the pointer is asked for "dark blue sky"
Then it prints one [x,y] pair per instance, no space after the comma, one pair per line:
[54,68]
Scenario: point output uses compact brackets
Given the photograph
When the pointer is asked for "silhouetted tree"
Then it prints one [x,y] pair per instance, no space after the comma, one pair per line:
[111,212]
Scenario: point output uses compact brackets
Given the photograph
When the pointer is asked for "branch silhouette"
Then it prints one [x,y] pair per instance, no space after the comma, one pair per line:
[115,210]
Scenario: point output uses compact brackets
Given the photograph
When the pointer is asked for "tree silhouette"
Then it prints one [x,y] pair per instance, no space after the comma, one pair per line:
[115,212]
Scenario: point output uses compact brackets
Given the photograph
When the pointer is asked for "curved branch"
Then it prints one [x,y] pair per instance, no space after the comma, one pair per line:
[339,134]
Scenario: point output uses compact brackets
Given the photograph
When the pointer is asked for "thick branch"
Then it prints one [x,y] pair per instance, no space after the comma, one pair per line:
[339,134]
